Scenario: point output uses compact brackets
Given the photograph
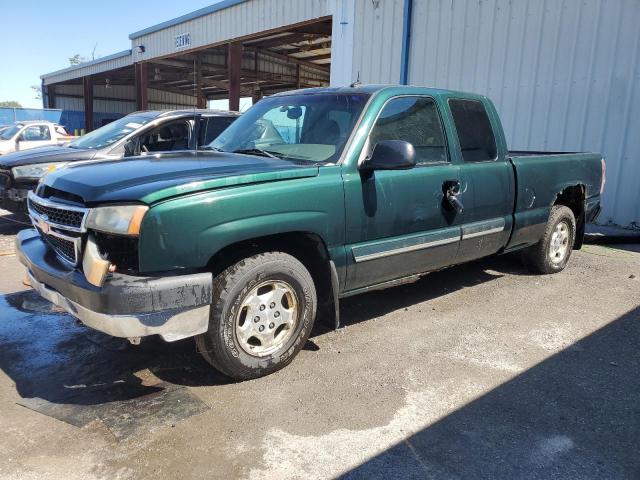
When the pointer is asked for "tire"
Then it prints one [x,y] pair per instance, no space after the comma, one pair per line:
[551,254]
[262,314]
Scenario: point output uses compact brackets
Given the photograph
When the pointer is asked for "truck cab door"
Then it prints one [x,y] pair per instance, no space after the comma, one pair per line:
[488,183]
[33,136]
[399,222]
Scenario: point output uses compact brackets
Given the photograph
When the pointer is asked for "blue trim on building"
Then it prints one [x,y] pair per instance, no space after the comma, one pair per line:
[189,16]
[407,15]
[113,56]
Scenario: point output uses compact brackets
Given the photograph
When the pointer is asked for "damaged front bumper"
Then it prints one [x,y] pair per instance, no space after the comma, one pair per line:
[174,307]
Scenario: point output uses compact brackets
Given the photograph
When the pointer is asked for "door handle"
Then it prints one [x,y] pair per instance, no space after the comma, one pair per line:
[451,190]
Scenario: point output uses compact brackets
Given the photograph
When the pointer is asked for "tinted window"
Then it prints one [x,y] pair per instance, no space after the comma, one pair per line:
[414,120]
[214,127]
[170,136]
[476,137]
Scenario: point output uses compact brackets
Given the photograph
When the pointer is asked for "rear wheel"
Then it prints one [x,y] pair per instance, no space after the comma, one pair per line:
[263,311]
[551,254]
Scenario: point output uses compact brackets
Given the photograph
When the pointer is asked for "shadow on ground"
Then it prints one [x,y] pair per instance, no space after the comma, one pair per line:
[575,415]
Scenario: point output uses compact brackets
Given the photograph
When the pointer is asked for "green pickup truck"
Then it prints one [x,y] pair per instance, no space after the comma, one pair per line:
[309,197]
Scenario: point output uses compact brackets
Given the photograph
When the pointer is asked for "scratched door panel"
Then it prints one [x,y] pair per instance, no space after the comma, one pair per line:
[398,223]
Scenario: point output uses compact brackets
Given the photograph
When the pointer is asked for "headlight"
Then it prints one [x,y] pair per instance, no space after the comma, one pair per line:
[121,220]
[35,171]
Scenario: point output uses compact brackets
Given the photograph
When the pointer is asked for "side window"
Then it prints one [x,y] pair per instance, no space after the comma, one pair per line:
[414,120]
[211,127]
[167,137]
[36,133]
[477,141]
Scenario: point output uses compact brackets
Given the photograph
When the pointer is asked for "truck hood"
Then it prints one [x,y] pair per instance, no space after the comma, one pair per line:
[149,179]
[52,153]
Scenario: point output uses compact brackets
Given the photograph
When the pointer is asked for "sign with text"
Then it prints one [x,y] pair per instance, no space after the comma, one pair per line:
[183,40]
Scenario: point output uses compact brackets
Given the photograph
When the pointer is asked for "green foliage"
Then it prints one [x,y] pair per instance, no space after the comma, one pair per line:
[10,104]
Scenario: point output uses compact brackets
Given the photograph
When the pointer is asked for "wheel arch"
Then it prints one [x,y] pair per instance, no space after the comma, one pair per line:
[307,247]
[574,197]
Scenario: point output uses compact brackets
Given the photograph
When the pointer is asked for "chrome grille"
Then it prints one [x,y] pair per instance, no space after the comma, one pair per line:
[60,225]
[67,218]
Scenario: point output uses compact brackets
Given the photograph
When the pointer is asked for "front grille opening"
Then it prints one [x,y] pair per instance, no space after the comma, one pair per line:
[68,218]
[119,250]
[62,247]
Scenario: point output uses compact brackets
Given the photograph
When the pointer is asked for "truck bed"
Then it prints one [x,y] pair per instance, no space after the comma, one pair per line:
[540,178]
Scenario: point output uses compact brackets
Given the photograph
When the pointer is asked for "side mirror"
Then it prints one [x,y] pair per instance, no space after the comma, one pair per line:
[390,155]
[132,147]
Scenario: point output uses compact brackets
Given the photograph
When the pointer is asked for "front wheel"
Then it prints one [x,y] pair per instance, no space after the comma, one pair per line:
[263,311]
[551,254]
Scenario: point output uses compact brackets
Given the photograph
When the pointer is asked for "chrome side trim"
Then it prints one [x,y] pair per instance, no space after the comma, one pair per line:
[410,248]
[486,227]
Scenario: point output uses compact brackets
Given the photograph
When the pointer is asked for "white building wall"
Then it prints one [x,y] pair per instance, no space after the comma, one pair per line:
[564,74]
[377,41]
[241,20]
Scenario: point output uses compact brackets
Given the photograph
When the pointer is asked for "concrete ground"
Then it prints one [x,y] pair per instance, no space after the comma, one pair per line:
[479,371]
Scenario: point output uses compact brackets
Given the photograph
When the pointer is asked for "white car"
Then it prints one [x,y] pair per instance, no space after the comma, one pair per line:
[32,134]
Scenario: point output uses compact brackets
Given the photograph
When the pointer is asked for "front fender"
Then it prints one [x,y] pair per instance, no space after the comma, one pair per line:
[186,232]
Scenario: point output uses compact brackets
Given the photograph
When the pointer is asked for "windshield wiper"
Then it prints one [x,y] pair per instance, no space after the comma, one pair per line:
[210,147]
[256,151]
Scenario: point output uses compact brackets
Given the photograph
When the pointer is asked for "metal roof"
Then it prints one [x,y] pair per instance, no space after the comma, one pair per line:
[113,56]
[185,18]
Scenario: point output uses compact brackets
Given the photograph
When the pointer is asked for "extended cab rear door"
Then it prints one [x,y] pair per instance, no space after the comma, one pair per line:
[488,184]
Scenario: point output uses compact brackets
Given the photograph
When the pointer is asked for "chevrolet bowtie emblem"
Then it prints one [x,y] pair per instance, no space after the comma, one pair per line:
[44,226]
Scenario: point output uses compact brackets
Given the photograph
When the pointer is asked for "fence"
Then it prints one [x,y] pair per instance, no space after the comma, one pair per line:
[71,120]
[10,115]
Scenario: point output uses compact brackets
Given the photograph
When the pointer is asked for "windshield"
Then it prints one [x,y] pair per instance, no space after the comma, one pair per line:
[111,133]
[11,131]
[308,128]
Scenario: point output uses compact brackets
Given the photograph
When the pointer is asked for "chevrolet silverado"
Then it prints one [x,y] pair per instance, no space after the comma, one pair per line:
[309,197]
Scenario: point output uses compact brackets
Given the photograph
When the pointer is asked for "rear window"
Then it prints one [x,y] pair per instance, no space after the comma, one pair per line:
[477,142]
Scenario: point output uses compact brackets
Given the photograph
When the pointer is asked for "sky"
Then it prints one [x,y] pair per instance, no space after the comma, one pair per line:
[40,36]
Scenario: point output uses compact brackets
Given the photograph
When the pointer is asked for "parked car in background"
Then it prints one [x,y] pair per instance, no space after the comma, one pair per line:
[32,134]
[139,133]
[242,246]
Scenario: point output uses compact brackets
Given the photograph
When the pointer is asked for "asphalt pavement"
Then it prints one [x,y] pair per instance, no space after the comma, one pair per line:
[478,371]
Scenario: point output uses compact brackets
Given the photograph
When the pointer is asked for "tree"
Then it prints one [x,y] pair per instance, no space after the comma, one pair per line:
[77,59]
[37,92]
[10,104]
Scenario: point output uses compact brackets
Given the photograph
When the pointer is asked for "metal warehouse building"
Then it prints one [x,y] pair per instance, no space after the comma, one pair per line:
[564,74]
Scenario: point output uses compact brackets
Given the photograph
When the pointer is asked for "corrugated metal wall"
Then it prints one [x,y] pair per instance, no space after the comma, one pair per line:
[564,74]
[119,99]
[246,18]
[377,41]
